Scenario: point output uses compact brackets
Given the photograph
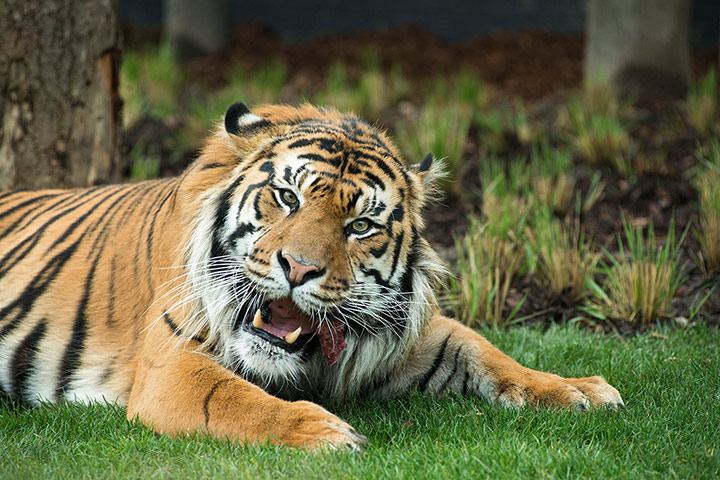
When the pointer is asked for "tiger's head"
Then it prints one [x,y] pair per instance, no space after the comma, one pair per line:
[305,253]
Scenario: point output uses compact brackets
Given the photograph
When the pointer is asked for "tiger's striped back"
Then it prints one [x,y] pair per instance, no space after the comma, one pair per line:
[75,275]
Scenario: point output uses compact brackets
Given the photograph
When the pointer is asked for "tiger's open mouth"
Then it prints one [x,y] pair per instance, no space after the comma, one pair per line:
[281,323]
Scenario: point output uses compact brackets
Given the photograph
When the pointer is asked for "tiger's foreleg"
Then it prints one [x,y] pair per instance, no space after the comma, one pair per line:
[452,357]
[178,390]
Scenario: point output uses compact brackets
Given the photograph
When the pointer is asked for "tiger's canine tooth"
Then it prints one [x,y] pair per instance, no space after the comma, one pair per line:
[292,336]
[258,321]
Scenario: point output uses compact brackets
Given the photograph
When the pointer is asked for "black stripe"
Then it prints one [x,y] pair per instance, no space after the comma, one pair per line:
[314,157]
[397,214]
[242,230]
[454,370]
[380,251]
[24,359]
[374,179]
[377,277]
[74,349]
[19,206]
[209,166]
[151,233]
[177,331]
[412,258]
[216,250]
[61,203]
[303,142]
[206,403]
[112,298]
[37,286]
[10,193]
[396,255]
[107,218]
[108,193]
[465,382]
[382,165]
[435,365]
[26,246]
[139,251]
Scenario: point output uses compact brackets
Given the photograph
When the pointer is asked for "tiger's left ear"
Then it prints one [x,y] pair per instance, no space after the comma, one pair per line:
[425,164]
[430,171]
[239,120]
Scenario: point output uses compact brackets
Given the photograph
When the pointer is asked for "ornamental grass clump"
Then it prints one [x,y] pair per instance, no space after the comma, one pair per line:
[488,260]
[702,104]
[707,183]
[599,134]
[564,258]
[504,187]
[642,281]
[552,183]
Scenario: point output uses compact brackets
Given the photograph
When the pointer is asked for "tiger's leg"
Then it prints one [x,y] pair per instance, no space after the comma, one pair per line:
[178,390]
[452,357]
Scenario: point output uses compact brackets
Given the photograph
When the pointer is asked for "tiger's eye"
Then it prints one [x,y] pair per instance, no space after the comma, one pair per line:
[360,226]
[289,197]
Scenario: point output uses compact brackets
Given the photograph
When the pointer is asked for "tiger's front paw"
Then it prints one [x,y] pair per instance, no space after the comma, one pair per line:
[548,389]
[314,428]
[598,391]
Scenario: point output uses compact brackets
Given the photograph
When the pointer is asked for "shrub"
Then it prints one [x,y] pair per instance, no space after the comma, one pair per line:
[489,257]
[641,283]
[702,104]
[707,183]
[552,184]
[565,260]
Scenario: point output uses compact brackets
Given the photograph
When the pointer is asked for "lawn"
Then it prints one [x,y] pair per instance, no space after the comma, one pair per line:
[668,378]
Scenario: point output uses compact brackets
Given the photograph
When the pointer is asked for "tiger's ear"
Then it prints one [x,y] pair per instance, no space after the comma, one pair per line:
[239,120]
[431,172]
[426,163]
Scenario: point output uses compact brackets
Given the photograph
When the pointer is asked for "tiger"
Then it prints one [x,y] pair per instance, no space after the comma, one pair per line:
[284,266]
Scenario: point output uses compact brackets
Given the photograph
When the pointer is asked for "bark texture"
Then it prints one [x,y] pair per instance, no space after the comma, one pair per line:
[59,106]
[640,48]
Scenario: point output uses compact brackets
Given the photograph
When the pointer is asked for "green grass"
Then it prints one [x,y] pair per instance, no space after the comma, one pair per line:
[669,430]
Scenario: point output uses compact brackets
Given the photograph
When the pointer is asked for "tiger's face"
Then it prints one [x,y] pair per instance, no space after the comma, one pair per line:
[316,255]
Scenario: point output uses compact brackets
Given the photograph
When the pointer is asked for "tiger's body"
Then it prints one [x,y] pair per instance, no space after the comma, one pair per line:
[287,262]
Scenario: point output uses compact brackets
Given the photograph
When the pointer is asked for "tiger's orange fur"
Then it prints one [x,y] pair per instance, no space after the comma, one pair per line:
[145,294]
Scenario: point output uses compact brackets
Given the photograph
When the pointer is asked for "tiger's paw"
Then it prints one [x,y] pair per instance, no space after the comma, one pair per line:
[599,392]
[316,429]
[547,389]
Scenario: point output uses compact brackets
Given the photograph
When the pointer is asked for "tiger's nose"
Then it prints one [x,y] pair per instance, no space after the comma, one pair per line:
[297,272]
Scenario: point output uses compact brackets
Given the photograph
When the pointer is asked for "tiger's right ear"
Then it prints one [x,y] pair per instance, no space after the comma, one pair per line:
[239,120]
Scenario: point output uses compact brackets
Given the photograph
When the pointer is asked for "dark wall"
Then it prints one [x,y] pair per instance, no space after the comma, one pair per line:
[300,20]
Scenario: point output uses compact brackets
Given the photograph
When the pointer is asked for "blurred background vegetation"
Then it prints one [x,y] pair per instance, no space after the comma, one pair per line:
[567,199]
[582,159]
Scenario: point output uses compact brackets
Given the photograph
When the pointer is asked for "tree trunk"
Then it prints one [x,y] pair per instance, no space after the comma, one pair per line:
[59,104]
[639,48]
